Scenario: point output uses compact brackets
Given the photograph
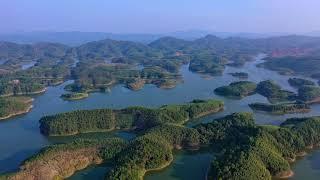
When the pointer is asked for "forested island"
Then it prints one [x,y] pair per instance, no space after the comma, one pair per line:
[241,75]
[282,108]
[258,152]
[306,93]
[298,82]
[54,63]
[243,150]
[273,92]
[74,96]
[282,101]
[129,118]
[98,65]
[13,106]
[306,65]
[237,89]
[309,94]
[210,64]
[247,150]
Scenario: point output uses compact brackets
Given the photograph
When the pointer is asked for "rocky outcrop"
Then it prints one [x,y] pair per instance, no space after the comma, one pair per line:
[136,85]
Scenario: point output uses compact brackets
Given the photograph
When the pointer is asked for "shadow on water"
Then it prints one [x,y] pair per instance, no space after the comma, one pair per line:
[6,164]
[187,165]
[96,172]
[307,167]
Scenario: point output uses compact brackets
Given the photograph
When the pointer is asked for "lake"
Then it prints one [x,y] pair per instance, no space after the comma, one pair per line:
[20,136]
[2,61]
[28,65]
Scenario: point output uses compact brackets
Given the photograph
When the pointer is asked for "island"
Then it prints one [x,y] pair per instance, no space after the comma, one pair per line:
[309,94]
[237,89]
[74,96]
[241,75]
[209,64]
[306,64]
[273,92]
[246,150]
[298,82]
[242,149]
[83,121]
[258,152]
[98,65]
[94,78]
[13,106]
[62,160]
[282,108]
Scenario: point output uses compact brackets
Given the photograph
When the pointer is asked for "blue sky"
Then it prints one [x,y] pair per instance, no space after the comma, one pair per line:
[158,16]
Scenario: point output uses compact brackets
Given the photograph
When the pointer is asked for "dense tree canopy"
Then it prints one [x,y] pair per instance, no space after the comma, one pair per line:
[237,89]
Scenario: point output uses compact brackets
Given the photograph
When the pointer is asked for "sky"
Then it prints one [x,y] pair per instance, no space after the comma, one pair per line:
[159,16]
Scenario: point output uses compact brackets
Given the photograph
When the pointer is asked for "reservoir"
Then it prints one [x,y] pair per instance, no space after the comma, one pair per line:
[20,136]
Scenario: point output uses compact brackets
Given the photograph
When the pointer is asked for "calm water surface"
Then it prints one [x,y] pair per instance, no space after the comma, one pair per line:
[2,61]
[28,65]
[20,137]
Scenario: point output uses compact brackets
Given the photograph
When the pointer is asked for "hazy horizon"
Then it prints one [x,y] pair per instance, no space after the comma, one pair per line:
[207,32]
[145,17]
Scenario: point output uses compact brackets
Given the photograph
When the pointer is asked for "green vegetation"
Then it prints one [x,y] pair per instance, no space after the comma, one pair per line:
[237,89]
[108,62]
[143,154]
[282,108]
[297,82]
[152,151]
[20,87]
[241,75]
[62,160]
[309,94]
[11,106]
[207,63]
[247,150]
[305,65]
[17,55]
[90,77]
[273,92]
[74,96]
[51,66]
[129,118]
[253,152]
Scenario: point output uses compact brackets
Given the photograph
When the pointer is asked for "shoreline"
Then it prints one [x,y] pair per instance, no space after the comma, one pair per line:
[92,131]
[161,167]
[302,111]
[26,94]
[314,101]
[80,97]
[289,173]
[17,113]
[285,175]
[219,109]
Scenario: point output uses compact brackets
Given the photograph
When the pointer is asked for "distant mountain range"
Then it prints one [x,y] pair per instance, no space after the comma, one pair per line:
[74,38]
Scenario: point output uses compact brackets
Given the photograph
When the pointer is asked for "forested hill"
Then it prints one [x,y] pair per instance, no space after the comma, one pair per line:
[92,65]
[159,48]
[9,50]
